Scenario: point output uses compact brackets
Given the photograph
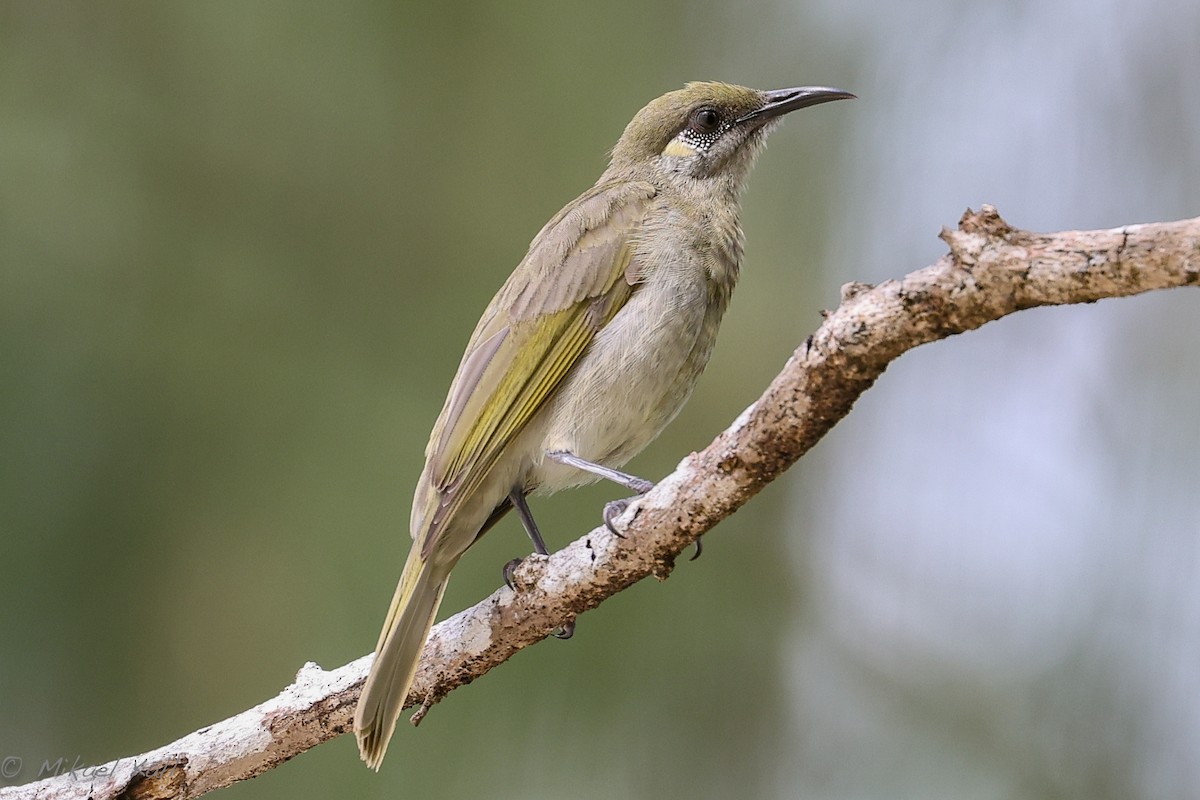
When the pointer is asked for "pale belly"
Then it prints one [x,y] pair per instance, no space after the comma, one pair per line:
[630,383]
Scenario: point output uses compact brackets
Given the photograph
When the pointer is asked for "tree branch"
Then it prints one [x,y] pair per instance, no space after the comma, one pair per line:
[992,270]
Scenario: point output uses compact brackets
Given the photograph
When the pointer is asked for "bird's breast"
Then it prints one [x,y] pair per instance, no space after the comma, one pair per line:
[641,368]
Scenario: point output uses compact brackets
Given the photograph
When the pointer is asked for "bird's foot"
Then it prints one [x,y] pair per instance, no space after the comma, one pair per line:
[509,569]
[564,631]
[615,508]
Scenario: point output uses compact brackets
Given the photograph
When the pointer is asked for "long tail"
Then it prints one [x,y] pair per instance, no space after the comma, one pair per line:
[400,643]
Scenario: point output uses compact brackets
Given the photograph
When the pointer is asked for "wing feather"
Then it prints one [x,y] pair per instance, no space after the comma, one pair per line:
[574,279]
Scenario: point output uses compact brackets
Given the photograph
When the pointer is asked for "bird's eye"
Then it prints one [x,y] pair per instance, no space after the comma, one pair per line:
[704,120]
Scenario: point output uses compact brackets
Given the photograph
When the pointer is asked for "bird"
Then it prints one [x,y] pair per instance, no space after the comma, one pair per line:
[588,350]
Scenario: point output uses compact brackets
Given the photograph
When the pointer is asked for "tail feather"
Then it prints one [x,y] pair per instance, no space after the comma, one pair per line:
[396,655]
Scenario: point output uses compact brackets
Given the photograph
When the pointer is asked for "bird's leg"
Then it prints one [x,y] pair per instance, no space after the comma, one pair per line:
[630,482]
[613,508]
[517,497]
[518,500]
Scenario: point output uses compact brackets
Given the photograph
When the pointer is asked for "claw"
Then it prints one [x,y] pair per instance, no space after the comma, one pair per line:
[699,549]
[509,569]
[612,510]
[566,631]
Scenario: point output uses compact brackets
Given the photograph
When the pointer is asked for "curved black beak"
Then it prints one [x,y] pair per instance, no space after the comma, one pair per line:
[781,101]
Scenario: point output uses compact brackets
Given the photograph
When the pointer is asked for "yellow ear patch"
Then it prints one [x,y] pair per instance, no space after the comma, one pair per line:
[678,149]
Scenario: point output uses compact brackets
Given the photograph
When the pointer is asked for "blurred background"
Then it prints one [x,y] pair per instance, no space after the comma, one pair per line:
[243,245]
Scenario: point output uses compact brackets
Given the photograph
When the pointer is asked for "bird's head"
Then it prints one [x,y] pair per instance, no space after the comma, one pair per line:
[707,130]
